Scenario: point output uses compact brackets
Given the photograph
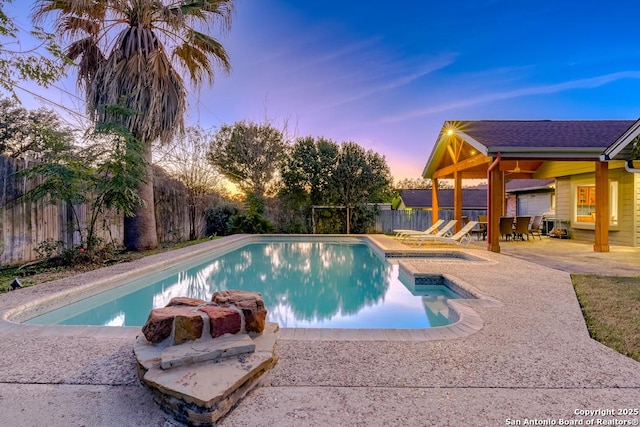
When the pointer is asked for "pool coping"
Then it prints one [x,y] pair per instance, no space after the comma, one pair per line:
[64,291]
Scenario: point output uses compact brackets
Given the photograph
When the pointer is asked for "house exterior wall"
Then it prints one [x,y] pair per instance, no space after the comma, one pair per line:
[626,232]
[534,203]
[512,205]
[636,209]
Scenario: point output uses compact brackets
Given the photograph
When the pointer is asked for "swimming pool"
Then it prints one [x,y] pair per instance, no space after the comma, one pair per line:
[320,284]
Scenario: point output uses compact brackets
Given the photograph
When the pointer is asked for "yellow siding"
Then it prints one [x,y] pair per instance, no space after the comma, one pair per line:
[551,169]
[626,211]
[563,198]
[626,232]
[636,207]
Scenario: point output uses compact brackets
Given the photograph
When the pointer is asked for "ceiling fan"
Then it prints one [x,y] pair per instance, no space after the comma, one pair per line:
[518,170]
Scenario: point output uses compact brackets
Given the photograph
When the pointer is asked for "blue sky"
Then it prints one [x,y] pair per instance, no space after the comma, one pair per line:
[386,75]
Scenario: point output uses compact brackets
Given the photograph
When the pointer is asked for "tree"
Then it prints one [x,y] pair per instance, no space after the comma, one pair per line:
[306,178]
[103,174]
[421,184]
[321,172]
[413,184]
[309,168]
[249,155]
[186,160]
[129,53]
[17,64]
[361,177]
[24,131]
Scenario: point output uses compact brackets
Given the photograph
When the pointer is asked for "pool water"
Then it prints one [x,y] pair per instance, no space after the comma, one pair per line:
[304,285]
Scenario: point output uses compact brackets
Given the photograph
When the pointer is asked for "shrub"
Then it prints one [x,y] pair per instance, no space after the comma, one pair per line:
[251,223]
[219,220]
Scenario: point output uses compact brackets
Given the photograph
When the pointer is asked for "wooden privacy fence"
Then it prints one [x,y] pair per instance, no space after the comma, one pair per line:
[413,219]
[24,224]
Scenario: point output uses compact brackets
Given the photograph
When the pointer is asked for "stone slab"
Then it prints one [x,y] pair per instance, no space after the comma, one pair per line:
[206,350]
[208,383]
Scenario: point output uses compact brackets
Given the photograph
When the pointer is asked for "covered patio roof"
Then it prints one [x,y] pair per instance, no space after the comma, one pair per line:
[467,147]
[506,149]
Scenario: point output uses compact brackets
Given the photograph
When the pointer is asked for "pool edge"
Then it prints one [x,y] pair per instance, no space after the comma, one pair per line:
[468,322]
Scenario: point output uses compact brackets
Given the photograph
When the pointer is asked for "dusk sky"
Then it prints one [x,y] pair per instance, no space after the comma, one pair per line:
[386,75]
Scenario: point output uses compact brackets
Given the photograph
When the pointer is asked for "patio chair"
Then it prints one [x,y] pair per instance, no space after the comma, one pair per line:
[482,227]
[402,233]
[522,227]
[462,237]
[506,227]
[443,232]
[536,227]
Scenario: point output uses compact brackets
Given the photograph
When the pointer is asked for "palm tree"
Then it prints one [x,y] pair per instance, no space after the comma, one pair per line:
[129,53]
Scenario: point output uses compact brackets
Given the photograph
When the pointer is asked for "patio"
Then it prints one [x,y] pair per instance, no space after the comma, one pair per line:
[532,359]
[573,256]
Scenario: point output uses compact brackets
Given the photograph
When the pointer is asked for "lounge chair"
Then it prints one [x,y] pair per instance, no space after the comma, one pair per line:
[402,233]
[462,237]
[442,232]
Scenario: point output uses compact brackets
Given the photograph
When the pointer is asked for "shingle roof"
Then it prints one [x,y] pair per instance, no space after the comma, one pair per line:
[544,133]
[471,198]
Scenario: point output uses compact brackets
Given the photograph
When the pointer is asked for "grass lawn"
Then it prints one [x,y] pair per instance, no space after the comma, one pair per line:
[611,308]
[35,274]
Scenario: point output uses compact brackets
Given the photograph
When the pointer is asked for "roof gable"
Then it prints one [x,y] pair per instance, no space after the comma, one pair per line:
[622,147]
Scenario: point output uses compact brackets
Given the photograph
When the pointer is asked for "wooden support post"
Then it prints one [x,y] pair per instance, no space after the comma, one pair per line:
[495,201]
[457,199]
[601,241]
[434,200]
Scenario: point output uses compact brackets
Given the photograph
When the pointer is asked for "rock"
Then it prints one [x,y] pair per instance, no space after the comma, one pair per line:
[193,302]
[187,328]
[161,320]
[251,304]
[206,350]
[222,320]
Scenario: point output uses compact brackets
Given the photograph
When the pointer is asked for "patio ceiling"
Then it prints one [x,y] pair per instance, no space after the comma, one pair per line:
[458,155]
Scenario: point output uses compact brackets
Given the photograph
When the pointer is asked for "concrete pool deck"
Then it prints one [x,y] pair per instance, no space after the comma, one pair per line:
[532,359]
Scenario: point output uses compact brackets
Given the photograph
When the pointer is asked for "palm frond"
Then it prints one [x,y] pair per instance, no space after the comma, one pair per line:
[74,26]
[210,46]
[90,9]
[201,9]
[91,59]
[195,61]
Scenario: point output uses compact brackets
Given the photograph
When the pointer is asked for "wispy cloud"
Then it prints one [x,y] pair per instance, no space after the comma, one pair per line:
[368,85]
[587,83]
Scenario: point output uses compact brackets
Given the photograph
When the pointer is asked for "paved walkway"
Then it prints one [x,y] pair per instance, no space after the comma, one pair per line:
[532,359]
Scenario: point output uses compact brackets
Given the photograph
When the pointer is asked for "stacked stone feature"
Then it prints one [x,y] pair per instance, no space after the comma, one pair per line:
[187,319]
[199,359]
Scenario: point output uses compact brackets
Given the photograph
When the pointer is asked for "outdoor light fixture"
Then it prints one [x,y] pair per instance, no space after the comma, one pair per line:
[15,284]
[450,132]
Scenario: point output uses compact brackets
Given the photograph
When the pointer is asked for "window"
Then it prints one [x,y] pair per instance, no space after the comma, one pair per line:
[586,203]
[613,203]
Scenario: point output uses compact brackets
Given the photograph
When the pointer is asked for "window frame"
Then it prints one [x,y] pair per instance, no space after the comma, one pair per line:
[581,218]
